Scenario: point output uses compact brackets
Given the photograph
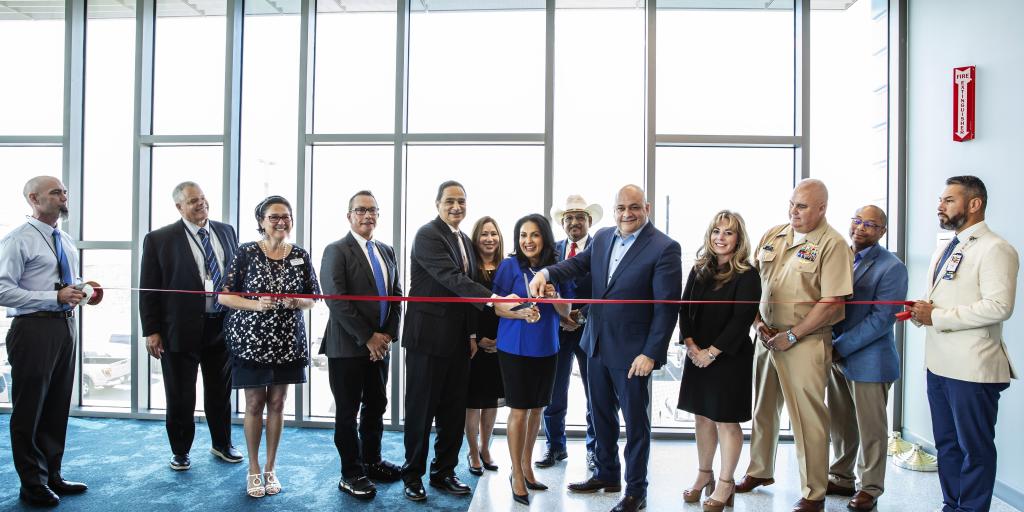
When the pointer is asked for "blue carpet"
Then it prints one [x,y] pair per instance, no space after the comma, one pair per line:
[125,464]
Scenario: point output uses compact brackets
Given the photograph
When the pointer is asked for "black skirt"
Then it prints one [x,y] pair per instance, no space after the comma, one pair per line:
[252,377]
[528,381]
[485,387]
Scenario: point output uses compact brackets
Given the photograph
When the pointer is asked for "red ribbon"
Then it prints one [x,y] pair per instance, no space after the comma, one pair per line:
[901,316]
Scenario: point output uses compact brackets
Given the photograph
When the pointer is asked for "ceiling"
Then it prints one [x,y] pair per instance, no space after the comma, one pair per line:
[54,9]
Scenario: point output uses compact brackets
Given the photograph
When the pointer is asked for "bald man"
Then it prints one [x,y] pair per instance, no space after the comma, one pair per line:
[38,271]
[806,272]
[864,365]
[624,343]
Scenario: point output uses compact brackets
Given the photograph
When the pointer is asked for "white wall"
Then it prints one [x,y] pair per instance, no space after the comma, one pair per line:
[943,34]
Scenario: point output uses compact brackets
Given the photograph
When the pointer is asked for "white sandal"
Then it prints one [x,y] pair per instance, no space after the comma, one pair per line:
[273,484]
[254,486]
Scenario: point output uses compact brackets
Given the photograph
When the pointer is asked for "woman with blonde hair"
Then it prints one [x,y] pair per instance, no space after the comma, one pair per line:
[716,383]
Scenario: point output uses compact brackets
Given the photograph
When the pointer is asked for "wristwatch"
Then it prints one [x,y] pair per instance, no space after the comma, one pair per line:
[791,337]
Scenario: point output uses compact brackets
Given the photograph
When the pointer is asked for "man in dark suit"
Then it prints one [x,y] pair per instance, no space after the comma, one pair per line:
[865,364]
[185,331]
[357,343]
[576,218]
[624,342]
[438,339]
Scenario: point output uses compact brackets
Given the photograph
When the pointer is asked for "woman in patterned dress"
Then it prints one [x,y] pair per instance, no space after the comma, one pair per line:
[267,335]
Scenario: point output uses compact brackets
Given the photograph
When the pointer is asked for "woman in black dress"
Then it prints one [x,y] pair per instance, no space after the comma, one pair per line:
[716,383]
[485,389]
[267,335]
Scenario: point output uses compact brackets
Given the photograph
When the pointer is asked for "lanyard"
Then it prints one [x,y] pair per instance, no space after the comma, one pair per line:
[60,271]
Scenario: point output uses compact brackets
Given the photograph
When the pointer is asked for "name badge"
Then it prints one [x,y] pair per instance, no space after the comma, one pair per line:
[208,285]
[296,262]
[954,262]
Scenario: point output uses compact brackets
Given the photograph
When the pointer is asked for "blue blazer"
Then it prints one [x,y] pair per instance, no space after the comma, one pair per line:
[865,339]
[651,269]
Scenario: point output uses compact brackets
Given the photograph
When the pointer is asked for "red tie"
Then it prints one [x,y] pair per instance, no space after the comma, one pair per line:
[572,250]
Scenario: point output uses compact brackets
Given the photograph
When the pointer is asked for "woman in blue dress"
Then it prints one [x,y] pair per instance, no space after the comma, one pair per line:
[267,335]
[527,348]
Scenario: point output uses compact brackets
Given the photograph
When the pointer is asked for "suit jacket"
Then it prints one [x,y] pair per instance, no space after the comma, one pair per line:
[865,339]
[650,269]
[441,328]
[581,286]
[168,263]
[346,271]
[965,340]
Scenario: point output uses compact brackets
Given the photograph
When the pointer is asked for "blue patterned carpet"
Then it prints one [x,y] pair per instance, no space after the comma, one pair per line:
[125,464]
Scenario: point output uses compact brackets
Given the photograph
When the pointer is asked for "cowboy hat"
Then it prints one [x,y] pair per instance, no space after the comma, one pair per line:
[576,203]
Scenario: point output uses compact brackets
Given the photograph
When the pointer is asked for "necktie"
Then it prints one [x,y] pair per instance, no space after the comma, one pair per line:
[856,260]
[62,264]
[212,269]
[378,277]
[572,250]
[945,256]
[462,252]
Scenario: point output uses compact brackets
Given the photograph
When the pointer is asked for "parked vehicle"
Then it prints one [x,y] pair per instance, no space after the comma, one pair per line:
[102,370]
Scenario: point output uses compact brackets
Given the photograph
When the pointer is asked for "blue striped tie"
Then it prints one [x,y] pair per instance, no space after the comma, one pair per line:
[378,278]
[212,269]
[62,263]
[945,256]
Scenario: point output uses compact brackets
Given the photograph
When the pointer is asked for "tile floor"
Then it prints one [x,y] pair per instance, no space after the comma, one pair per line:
[673,467]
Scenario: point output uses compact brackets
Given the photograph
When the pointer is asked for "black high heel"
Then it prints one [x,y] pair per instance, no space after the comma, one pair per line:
[535,486]
[520,498]
[489,466]
[477,471]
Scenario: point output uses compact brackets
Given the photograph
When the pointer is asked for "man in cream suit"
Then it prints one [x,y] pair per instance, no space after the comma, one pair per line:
[972,284]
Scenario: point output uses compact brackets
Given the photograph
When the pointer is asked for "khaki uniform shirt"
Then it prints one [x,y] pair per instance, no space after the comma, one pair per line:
[795,276]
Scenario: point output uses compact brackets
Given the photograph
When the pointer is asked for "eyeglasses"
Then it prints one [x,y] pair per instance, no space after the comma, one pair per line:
[274,219]
[365,211]
[866,223]
[579,217]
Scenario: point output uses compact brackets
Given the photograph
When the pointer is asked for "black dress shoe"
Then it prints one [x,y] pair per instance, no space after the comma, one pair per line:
[550,458]
[62,487]
[39,495]
[489,466]
[535,486]
[383,471]
[359,487]
[181,462]
[227,453]
[451,485]
[519,498]
[591,461]
[630,504]
[414,491]
[594,485]
[475,471]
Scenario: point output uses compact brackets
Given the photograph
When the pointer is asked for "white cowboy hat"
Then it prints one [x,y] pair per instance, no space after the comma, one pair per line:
[576,203]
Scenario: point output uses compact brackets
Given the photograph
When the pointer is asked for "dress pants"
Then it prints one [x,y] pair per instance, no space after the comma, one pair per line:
[859,430]
[798,377]
[435,393]
[610,389]
[180,370]
[964,425]
[359,387]
[554,413]
[42,356]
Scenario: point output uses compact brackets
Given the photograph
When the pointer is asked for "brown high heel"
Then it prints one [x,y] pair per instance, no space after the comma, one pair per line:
[713,505]
[693,495]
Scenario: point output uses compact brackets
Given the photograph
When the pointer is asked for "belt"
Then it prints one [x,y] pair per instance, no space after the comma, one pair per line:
[49,314]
